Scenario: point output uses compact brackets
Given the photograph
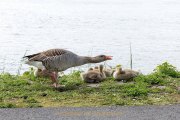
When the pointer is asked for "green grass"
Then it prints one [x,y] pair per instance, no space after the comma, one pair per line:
[29,91]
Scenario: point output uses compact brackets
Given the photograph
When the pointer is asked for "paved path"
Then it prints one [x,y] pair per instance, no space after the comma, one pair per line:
[171,112]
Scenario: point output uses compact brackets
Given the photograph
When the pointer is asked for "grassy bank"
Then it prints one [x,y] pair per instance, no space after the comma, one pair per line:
[158,88]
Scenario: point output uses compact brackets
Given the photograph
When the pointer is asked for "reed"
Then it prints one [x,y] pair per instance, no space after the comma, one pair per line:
[131,60]
[20,65]
[4,65]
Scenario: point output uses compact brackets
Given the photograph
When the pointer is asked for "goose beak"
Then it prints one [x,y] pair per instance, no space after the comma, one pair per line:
[109,57]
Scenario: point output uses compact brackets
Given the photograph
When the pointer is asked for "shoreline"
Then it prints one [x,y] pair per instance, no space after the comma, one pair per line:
[161,87]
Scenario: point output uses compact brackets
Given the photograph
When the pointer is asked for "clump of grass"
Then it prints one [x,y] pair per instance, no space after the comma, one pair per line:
[33,105]
[151,79]
[72,80]
[160,75]
[138,89]
[167,69]
[30,100]
[7,105]
[30,74]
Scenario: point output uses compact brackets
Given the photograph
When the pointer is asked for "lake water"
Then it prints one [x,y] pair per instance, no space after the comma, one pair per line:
[91,27]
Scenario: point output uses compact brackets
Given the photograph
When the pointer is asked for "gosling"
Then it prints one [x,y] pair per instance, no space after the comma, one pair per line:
[40,73]
[94,75]
[108,72]
[124,75]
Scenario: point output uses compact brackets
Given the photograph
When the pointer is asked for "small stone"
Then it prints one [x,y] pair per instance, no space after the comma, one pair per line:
[25,97]
[44,94]
[120,83]
[178,88]
[93,85]
[161,87]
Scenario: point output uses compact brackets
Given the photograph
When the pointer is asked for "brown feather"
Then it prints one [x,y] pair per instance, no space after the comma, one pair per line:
[45,54]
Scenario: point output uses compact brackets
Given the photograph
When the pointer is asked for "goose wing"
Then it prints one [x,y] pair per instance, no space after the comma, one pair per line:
[53,59]
[46,54]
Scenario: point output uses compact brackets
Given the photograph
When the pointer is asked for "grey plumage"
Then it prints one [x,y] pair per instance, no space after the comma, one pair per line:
[56,60]
[61,62]
[60,59]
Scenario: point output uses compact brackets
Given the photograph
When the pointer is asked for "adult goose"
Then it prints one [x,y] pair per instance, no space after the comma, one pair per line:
[57,60]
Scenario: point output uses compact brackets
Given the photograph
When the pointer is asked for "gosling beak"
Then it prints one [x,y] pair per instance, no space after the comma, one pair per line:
[109,57]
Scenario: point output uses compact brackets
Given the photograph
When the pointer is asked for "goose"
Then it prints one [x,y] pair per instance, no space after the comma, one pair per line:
[58,60]
[125,75]
[94,75]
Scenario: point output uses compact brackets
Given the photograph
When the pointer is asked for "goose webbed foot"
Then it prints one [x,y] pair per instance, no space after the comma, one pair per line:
[56,85]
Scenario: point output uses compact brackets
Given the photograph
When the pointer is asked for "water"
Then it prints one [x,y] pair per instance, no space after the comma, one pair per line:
[91,27]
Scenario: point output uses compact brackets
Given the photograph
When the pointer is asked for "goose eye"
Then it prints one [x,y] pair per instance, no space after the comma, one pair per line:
[101,55]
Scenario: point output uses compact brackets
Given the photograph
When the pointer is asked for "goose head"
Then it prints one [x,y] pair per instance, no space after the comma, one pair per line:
[100,58]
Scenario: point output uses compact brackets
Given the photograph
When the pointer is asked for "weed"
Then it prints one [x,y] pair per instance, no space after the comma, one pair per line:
[138,89]
[7,105]
[167,69]
[151,79]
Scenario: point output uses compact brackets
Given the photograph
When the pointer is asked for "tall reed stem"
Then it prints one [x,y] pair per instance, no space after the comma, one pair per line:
[131,61]
[20,66]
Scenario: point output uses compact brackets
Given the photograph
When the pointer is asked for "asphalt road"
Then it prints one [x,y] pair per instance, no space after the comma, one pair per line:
[171,112]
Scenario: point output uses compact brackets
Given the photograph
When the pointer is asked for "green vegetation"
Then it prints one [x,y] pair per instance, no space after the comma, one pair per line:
[158,88]
[167,69]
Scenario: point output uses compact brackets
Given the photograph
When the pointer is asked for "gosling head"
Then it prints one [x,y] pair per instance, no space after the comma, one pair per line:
[90,69]
[101,68]
[96,67]
[119,69]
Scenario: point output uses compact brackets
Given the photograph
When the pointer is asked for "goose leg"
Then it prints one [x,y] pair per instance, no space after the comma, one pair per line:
[54,78]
